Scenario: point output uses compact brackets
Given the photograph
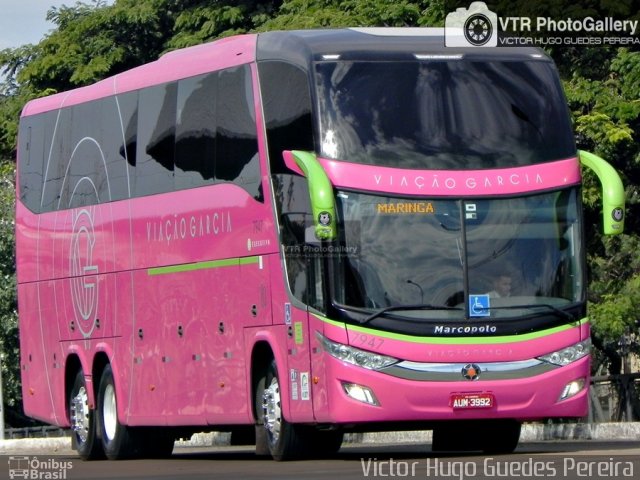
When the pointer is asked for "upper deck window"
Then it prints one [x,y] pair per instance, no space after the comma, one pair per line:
[452,115]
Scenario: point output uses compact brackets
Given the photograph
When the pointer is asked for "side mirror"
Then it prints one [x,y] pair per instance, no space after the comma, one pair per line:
[613,197]
[323,203]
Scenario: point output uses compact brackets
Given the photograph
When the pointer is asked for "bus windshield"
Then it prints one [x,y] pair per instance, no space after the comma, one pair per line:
[518,252]
[450,115]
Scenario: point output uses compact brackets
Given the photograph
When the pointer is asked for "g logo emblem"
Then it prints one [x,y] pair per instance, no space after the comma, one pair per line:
[83,271]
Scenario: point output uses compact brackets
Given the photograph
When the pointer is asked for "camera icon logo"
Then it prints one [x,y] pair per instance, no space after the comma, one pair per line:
[475,26]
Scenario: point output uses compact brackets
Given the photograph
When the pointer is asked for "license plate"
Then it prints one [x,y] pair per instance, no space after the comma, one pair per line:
[461,401]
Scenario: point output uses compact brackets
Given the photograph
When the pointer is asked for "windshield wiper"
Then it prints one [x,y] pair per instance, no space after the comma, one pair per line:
[421,306]
[558,312]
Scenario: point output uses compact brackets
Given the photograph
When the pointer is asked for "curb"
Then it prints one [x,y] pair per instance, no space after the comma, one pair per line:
[530,433]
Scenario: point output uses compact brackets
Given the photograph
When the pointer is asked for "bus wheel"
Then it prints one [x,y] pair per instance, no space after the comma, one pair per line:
[82,419]
[117,439]
[284,440]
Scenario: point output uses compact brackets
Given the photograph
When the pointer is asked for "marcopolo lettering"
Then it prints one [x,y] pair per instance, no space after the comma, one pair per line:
[464,329]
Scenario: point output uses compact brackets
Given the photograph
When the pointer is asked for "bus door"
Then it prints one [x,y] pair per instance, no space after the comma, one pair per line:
[302,262]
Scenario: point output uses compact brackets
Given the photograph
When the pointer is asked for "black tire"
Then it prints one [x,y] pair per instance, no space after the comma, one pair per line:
[284,440]
[118,441]
[83,423]
[262,443]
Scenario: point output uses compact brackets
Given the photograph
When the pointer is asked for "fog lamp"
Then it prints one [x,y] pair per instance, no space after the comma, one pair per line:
[360,393]
[572,388]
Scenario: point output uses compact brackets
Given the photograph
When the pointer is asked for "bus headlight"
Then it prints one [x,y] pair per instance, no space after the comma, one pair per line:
[568,355]
[355,356]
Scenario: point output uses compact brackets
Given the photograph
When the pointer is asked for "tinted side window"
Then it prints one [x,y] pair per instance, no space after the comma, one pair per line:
[128,104]
[156,138]
[237,144]
[84,177]
[31,158]
[287,111]
[57,135]
[196,131]
[119,117]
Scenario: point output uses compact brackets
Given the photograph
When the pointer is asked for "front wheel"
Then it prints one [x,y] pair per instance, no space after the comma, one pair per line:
[284,440]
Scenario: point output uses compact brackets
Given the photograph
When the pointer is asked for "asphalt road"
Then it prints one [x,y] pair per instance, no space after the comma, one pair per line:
[561,459]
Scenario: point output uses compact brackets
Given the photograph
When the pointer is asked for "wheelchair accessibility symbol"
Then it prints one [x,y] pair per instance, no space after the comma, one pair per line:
[479,306]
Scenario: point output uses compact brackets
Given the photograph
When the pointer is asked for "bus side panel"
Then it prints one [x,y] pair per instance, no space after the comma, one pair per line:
[188,364]
[26,244]
[36,389]
[190,248]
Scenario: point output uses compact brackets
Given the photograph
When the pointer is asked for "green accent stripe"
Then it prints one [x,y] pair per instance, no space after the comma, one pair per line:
[190,267]
[454,340]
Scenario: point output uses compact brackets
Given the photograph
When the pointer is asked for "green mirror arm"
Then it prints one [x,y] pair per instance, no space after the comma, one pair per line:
[613,197]
[323,203]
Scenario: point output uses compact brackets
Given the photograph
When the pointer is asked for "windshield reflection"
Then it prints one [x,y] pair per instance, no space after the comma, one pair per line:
[449,115]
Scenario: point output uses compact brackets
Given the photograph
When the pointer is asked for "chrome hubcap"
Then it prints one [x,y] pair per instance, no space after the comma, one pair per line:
[272,410]
[80,414]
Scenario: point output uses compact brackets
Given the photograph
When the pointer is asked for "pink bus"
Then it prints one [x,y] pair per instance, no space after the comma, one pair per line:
[293,235]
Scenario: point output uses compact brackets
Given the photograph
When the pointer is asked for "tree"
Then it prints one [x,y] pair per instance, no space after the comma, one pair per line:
[606,112]
[9,348]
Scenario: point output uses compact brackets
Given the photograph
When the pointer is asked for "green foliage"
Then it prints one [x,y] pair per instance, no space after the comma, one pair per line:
[606,113]
[620,310]
[354,13]
[9,359]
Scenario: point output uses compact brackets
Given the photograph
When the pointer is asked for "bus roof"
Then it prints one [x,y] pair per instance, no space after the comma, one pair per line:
[301,47]
[183,63]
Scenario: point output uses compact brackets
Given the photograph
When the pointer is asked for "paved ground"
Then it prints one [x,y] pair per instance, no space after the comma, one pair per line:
[571,460]
[530,433]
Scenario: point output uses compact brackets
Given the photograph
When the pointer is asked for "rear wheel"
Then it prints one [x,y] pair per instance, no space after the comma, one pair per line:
[82,419]
[117,440]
